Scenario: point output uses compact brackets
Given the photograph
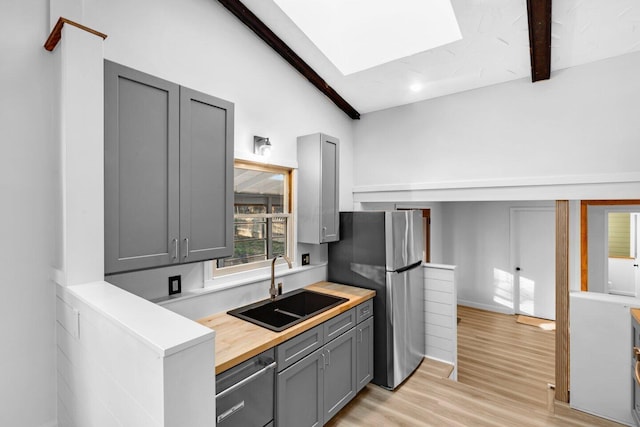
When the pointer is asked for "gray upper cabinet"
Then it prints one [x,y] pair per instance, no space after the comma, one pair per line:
[318,188]
[141,148]
[206,176]
[168,172]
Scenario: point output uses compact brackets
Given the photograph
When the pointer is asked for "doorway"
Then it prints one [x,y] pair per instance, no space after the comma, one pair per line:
[603,270]
[533,261]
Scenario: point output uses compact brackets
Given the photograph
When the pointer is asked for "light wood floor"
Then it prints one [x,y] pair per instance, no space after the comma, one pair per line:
[504,369]
[511,359]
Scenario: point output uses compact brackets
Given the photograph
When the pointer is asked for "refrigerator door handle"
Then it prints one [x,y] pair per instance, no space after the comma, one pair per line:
[409,267]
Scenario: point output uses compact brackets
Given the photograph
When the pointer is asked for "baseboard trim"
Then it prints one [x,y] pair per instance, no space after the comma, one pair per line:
[487,307]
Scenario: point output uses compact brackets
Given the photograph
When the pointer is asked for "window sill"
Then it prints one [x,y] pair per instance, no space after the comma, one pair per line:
[235,280]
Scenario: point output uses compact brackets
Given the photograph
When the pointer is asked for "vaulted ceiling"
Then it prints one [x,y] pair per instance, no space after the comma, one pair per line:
[494,48]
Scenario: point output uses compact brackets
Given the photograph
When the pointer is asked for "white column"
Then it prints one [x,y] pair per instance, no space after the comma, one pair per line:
[81,139]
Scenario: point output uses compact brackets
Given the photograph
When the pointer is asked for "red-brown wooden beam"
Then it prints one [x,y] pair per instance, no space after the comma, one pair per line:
[539,13]
[257,26]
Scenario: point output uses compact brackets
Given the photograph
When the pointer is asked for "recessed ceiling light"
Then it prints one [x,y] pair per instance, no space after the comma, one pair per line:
[416,87]
[359,34]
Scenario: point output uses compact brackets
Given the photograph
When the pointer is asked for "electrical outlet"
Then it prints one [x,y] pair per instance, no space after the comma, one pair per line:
[175,285]
[305,259]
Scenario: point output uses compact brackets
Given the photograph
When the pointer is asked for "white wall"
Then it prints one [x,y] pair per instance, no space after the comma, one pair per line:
[579,126]
[216,300]
[27,308]
[476,240]
[596,229]
[209,50]
[601,355]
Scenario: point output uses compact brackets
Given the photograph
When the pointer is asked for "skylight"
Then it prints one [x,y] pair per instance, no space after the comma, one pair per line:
[359,34]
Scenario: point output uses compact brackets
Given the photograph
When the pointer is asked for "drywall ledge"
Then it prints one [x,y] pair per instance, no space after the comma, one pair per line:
[597,186]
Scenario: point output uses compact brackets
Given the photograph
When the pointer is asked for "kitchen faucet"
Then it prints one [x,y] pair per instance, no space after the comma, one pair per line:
[272,289]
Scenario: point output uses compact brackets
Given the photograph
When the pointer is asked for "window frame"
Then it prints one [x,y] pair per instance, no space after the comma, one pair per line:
[288,212]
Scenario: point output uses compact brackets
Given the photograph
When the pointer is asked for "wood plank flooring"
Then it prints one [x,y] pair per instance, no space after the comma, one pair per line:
[503,372]
[497,354]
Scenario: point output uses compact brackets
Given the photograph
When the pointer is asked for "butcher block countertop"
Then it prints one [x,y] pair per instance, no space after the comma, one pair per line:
[238,340]
[635,312]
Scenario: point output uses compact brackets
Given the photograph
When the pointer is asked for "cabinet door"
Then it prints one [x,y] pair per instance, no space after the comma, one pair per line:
[340,373]
[364,353]
[318,215]
[206,176]
[329,214]
[299,393]
[141,170]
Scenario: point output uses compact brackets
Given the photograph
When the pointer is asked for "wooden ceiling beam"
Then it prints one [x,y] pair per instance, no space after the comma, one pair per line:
[539,13]
[261,30]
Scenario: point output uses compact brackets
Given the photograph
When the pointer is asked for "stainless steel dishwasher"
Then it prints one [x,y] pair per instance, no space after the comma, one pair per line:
[245,393]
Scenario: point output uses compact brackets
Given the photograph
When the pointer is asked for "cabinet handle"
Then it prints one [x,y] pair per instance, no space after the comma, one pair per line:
[186,253]
[359,334]
[175,248]
[324,361]
[324,231]
[247,380]
[235,408]
[328,357]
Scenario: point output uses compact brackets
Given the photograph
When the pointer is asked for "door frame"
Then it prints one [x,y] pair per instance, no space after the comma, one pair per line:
[584,238]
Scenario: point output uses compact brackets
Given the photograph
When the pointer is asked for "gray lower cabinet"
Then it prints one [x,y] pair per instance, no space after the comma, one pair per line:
[364,353]
[168,172]
[314,389]
[322,369]
[339,373]
[299,396]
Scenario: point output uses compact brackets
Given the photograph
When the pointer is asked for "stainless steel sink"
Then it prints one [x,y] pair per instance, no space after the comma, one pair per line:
[287,310]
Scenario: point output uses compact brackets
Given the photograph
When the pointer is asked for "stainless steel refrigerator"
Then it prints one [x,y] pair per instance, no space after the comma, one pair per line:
[383,251]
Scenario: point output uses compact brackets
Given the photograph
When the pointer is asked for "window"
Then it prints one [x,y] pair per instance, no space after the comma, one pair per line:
[262,217]
[621,243]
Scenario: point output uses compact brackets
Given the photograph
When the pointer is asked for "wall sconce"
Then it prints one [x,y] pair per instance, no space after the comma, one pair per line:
[261,146]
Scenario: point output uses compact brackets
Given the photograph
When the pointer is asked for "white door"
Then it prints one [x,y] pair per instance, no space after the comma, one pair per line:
[533,260]
[623,273]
